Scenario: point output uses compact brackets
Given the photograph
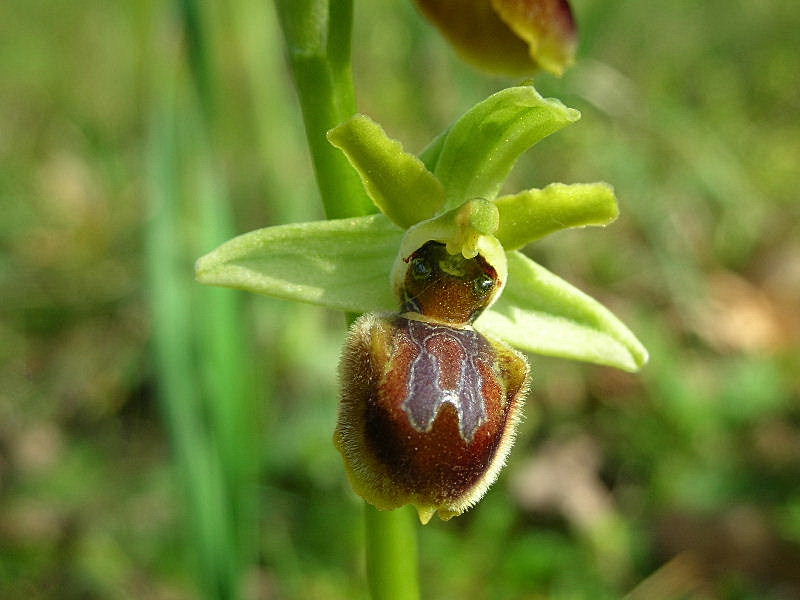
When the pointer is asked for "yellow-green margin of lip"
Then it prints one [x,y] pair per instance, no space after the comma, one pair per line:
[467,230]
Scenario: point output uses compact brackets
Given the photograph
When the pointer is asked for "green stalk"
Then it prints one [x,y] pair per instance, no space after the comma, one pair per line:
[391,553]
[317,35]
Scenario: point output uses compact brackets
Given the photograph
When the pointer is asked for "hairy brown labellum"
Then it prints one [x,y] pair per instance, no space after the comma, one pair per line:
[429,405]
[428,412]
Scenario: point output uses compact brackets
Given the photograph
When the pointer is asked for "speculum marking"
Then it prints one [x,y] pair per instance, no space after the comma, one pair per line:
[445,371]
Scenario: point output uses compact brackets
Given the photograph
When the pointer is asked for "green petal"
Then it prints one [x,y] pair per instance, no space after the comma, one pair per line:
[398,182]
[539,312]
[533,214]
[342,264]
[484,144]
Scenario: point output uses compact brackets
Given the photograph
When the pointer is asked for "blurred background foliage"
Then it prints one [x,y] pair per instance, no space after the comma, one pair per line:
[139,458]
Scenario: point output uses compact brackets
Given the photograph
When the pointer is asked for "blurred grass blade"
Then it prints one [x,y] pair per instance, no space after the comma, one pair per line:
[226,364]
[202,361]
[179,393]
[279,132]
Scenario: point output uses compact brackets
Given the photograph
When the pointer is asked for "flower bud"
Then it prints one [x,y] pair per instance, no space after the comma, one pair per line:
[429,405]
[511,37]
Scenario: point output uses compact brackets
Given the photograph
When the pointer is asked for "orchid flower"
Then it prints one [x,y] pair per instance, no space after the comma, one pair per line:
[440,219]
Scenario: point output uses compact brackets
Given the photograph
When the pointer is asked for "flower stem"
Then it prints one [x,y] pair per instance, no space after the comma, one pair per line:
[391,553]
[317,35]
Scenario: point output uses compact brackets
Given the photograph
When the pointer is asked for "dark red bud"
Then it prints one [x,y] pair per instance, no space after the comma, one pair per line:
[512,37]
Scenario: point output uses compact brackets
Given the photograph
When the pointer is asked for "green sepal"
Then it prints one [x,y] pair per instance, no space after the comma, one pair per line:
[483,146]
[398,182]
[541,313]
[342,264]
[533,214]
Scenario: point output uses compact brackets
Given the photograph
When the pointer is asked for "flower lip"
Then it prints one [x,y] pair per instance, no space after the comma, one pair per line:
[428,412]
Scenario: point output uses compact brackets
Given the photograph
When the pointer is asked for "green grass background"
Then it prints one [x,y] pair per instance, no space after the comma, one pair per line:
[163,441]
